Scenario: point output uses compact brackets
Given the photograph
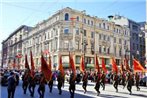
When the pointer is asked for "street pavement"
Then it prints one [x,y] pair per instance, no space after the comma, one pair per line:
[109,92]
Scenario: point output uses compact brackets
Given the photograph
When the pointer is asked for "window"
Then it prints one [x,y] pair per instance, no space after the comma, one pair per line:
[92,23]
[108,27]
[66,44]
[99,25]
[78,58]
[66,31]
[104,26]
[100,36]
[108,50]
[119,41]
[92,34]
[115,50]
[120,52]
[104,37]
[66,17]
[84,32]
[100,50]
[20,37]
[77,31]
[84,20]
[77,18]
[88,22]
[77,45]
[134,46]
[114,39]
[108,38]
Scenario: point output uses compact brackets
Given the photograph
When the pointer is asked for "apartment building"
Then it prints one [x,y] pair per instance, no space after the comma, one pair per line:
[74,31]
[137,42]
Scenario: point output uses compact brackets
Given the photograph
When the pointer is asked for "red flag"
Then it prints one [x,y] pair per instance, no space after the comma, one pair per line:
[126,64]
[45,69]
[32,65]
[82,65]
[104,66]
[72,66]
[50,63]
[26,63]
[137,66]
[60,68]
[97,64]
[114,66]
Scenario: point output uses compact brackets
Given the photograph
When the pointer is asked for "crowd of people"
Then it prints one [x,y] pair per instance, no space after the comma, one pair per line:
[127,79]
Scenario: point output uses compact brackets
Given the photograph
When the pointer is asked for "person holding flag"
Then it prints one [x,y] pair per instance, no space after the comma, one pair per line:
[26,76]
[115,74]
[130,82]
[72,76]
[85,74]
[103,77]
[85,81]
[41,88]
[137,81]
[98,76]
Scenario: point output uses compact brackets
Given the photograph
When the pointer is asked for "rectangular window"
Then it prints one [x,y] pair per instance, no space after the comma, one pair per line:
[78,58]
[100,50]
[100,36]
[114,39]
[66,31]
[77,45]
[119,41]
[66,44]
[84,32]
[92,34]
[77,31]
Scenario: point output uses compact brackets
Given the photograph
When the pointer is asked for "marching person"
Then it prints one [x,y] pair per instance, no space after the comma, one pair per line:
[60,81]
[103,77]
[41,88]
[25,81]
[115,82]
[97,86]
[85,80]
[50,84]
[72,85]
[11,85]
[137,81]
[130,82]
[123,79]
[32,85]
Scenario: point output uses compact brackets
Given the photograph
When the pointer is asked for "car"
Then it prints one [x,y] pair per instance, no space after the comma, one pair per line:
[143,81]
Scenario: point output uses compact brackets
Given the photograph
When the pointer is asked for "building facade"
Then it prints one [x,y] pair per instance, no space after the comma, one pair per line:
[12,47]
[73,31]
[137,42]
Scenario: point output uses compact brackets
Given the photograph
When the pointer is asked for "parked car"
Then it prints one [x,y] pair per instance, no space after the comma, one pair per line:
[143,81]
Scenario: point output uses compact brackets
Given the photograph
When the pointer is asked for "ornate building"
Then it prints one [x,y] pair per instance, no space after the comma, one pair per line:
[69,30]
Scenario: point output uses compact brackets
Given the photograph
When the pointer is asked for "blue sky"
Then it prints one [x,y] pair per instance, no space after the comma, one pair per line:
[14,13]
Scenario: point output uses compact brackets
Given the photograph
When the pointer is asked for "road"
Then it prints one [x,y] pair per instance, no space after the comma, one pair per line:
[79,93]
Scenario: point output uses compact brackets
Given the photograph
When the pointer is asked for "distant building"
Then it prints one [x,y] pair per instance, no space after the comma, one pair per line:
[137,43]
[12,47]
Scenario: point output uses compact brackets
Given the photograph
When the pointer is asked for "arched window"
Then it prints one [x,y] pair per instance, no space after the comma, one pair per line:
[66,16]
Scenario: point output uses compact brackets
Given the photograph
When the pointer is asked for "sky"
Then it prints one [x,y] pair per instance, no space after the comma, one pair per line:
[14,13]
